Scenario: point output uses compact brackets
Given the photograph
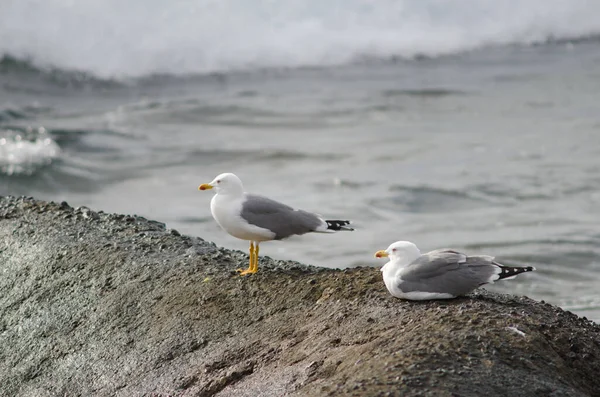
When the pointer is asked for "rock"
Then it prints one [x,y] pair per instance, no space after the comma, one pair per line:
[113,305]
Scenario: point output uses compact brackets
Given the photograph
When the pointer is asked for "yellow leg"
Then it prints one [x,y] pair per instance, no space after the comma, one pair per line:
[255,258]
[250,269]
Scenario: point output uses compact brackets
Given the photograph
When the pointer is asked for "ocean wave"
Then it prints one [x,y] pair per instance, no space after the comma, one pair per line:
[215,114]
[24,152]
[20,75]
[147,37]
[428,199]
[424,93]
[22,113]
[55,160]
[259,155]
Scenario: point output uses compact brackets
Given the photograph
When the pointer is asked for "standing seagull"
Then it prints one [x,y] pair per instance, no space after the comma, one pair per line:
[439,274]
[257,218]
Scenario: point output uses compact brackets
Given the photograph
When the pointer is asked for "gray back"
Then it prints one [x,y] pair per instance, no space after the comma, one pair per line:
[279,218]
[447,271]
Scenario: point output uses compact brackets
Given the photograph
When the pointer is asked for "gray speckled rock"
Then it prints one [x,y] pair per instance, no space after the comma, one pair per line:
[113,305]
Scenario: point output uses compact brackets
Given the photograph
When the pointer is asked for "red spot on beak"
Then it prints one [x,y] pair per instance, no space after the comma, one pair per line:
[202,188]
[381,254]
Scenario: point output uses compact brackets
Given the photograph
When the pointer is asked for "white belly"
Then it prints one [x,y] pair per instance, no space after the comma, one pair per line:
[226,212]
[394,286]
[420,295]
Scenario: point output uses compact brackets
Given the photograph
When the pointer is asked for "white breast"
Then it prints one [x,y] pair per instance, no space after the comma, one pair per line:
[226,211]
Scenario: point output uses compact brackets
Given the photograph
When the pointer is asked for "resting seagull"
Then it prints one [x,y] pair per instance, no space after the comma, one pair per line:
[439,274]
[257,218]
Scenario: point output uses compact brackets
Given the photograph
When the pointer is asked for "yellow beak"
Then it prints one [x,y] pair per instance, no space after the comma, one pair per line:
[205,186]
[381,254]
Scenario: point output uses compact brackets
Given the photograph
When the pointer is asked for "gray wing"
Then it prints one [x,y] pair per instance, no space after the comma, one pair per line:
[447,271]
[279,218]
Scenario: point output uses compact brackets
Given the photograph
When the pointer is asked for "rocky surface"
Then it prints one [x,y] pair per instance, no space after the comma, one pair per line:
[95,304]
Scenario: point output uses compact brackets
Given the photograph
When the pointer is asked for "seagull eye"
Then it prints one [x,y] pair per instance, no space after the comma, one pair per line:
[218,181]
[393,249]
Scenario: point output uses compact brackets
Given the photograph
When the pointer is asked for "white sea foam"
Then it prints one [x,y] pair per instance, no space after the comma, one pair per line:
[113,38]
[25,153]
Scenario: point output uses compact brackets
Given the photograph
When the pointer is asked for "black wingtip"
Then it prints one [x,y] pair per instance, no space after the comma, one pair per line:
[510,271]
[338,225]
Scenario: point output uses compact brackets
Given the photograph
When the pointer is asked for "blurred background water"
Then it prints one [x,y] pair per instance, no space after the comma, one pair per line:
[468,124]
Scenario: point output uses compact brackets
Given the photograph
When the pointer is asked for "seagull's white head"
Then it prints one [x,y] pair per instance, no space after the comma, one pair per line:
[226,183]
[404,251]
